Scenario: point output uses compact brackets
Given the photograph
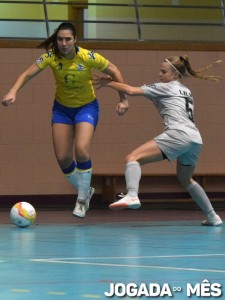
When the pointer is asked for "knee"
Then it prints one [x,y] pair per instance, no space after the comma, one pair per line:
[64,162]
[82,157]
[82,154]
[184,181]
[130,157]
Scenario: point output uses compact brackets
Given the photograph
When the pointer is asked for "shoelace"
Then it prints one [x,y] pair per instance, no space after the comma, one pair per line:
[82,206]
[121,195]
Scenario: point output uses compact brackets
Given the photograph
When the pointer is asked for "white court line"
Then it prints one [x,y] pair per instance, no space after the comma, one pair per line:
[129,266]
[64,261]
[133,257]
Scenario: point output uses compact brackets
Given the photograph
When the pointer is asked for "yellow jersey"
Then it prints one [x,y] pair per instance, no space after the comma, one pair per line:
[73,77]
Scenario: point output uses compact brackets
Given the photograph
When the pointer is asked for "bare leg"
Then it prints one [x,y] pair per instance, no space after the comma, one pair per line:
[63,141]
[184,174]
[83,137]
[64,137]
[146,153]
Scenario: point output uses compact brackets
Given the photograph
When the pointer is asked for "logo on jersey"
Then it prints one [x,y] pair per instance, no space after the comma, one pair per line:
[40,60]
[80,67]
[48,54]
[90,117]
[91,55]
[69,80]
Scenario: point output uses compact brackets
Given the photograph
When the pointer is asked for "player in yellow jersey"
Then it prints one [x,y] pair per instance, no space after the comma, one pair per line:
[75,109]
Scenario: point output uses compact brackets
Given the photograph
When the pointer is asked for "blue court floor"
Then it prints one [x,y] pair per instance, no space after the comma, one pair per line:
[153,254]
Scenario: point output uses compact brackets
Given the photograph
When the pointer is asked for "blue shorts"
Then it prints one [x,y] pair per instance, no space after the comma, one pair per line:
[68,115]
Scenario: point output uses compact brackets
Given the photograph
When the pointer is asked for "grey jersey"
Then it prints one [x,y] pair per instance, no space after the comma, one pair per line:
[175,104]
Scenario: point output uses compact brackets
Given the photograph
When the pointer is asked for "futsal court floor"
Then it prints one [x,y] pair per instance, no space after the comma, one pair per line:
[160,252]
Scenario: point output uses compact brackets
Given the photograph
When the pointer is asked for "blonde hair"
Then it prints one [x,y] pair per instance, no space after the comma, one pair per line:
[182,65]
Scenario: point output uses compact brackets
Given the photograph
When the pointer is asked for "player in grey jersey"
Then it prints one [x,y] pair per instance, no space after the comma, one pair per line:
[180,140]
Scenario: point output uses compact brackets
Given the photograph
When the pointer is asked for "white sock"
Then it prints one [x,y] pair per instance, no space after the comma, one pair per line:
[133,176]
[199,196]
[83,183]
[72,178]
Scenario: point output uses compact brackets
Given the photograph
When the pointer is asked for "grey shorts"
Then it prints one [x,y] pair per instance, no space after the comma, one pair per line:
[177,145]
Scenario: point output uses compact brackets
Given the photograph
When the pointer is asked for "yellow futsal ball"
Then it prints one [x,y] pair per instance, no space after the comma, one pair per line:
[22,214]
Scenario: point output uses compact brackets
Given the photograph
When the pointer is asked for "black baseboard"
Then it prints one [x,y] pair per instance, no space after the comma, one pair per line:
[149,201]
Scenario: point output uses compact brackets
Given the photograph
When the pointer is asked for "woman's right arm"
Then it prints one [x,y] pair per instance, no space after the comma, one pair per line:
[100,81]
[28,74]
[126,89]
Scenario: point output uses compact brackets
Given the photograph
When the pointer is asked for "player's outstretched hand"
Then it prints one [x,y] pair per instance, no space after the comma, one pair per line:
[122,107]
[101,81]
[8,99]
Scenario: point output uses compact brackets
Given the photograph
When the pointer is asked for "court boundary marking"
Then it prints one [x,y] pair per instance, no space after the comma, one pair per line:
[79,262]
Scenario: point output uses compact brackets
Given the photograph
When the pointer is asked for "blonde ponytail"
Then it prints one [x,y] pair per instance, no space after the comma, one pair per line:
[182,65]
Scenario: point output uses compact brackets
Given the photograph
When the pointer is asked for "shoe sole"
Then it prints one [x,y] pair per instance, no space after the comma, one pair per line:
[78,216]
[122,206]
[206,223]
